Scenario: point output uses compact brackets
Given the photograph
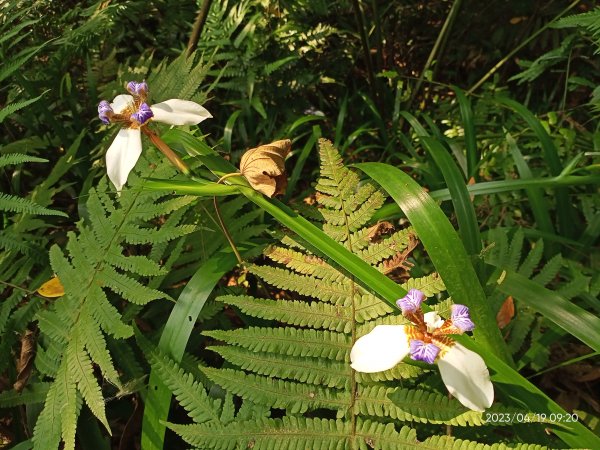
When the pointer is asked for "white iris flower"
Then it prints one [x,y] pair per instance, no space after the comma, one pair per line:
[464,372]
[133,113]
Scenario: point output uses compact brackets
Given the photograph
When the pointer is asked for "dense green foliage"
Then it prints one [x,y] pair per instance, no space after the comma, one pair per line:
[162,339]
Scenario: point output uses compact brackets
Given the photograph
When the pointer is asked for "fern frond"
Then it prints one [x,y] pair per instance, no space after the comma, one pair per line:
[288,432]
[48,427]
[590,21]
[288,341]
[430,285]
[80,368]
[305,264]
[23,205]
[421,406]
[33,393]
[532,260]
[549,271]
[306,370]
[450,443]
[189,393]
[275,393]
[310,286]
[318,315]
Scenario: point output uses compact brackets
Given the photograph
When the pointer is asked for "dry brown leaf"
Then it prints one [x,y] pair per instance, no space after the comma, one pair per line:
[264,167]
[25,362]
[506,313]
[376,232]
[52,288]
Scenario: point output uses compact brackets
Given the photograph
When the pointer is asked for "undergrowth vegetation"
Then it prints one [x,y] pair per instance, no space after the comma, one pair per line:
[399,149]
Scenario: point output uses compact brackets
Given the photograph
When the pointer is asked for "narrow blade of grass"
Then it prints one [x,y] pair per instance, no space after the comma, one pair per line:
[174,339]
[574,320]
[466,113]
[567,217]
[463,207]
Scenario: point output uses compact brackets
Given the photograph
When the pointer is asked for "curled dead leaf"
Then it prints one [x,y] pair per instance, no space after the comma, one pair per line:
[52,288]
[264,167]
[25,361]
[377,231]
[506,312]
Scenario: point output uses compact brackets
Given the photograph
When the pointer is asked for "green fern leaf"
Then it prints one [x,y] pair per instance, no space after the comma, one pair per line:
[306,370]
[336,318]
[33,393]
[23,205]
[190,394]
[288,341]
[549,271]
[296,397]
[332,292]
[80,368]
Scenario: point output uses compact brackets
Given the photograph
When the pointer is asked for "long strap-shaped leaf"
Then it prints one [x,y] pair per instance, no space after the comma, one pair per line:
[570,317]
[567,218]
[174,340]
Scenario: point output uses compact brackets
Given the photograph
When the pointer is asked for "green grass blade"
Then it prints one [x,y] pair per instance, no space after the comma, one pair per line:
[228,131]
[539,206]
[174,340]
[567,217]
[570,317]
[466,113]
[468,227]
[304,154]
[496,187]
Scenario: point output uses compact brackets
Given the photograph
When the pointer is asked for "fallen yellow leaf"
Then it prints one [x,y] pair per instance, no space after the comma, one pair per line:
[264,167]
[52,288]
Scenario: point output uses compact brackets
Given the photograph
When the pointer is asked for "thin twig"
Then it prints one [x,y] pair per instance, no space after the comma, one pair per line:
[366,51]
[222,223]
[198,26]
[437,47]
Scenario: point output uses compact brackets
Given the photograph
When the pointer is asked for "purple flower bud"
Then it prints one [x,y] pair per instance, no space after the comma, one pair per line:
[420,351]
[136,88]
[411,302]
[143,115]
[461,319]
[103,111]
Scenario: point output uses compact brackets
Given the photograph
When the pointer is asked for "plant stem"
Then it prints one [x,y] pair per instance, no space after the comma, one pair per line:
[366,51]
[166,150]
[500,63]
[198,26]
[222,223]
[437,47]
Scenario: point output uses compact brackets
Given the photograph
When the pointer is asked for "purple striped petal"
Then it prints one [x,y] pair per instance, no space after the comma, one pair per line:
[143,115]
[136,88]
[420,351]
[103,111]
[461,318]
[411,302]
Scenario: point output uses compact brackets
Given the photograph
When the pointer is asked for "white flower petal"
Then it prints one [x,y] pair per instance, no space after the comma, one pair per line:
[467,378]
[381,349]
[122,155]
[432,320]
[121,103]
[179,112]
